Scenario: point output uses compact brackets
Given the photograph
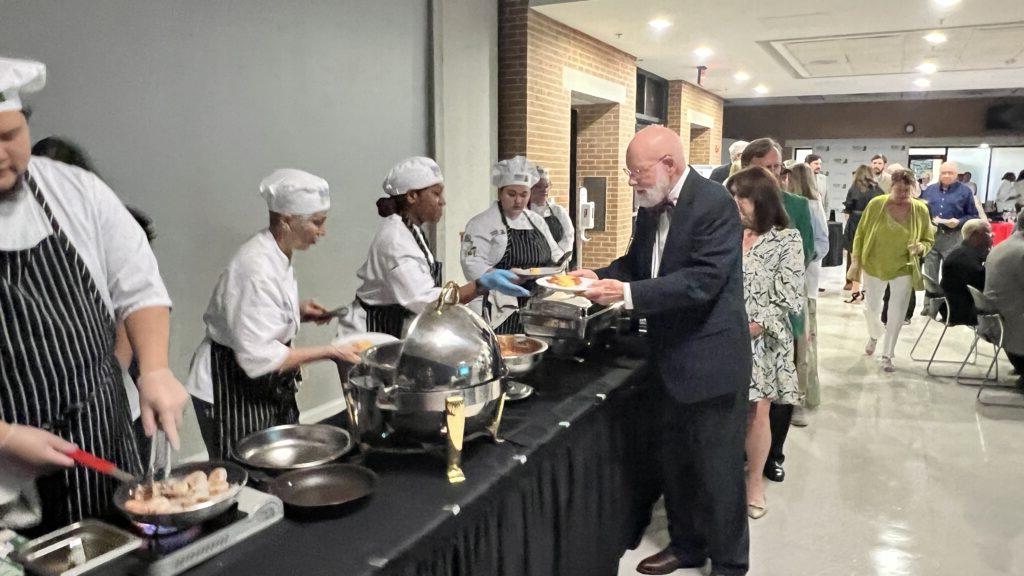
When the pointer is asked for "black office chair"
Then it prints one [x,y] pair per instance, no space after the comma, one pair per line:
[935,302]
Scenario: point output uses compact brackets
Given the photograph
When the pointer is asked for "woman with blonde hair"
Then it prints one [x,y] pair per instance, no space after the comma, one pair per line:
[894,232]
[862,191]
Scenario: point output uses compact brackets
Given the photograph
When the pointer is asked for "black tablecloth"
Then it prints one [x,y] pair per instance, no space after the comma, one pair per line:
[834,257]
[567,493]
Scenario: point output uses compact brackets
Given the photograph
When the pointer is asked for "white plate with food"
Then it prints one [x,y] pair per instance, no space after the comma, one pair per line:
[530,273]
[566,283]
[364,341]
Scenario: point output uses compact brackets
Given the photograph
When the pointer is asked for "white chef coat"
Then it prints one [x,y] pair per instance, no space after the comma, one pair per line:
[108,240]
[1007,196]
[545,209]
[664,223]
[485,240]
[395,272]
[254,311]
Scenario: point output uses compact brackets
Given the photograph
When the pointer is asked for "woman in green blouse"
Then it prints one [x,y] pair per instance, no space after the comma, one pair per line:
[894,233]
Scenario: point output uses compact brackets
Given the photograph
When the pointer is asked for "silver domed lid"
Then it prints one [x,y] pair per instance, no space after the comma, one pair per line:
[448,346]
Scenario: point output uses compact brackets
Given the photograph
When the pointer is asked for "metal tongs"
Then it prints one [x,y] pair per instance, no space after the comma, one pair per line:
[159,468]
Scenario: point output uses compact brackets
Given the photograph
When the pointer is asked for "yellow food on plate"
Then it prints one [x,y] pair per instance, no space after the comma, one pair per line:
[565,280]
[362,345]
[534,270]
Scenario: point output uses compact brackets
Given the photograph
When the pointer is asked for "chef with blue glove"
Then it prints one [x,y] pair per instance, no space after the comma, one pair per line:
[401,276]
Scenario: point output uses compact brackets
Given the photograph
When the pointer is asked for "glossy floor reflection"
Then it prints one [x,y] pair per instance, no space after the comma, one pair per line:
[898,474]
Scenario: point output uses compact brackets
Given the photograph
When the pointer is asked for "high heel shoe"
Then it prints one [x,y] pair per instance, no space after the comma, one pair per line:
[855,297]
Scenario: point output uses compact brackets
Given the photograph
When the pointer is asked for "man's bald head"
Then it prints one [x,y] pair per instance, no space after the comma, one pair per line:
[947,173]
[655,161]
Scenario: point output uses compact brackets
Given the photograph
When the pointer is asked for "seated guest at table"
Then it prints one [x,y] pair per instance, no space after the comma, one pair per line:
[773,288]
[1004,285]
[965,266]
[683,271]
[893,234]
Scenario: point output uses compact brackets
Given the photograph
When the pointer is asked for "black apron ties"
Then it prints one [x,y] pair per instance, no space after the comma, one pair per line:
[243,405]
[390,318]
[555,226]
[523,249]
[58,370]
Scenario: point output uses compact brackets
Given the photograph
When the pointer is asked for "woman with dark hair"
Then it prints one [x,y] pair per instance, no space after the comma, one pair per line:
[401,276]
[863,189]
[773,288]
[1007,195]
[894,233]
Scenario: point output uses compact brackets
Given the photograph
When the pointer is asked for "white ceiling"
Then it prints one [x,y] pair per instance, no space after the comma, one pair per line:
[800,48]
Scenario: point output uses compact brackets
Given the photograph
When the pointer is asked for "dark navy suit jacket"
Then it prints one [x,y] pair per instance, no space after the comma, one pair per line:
[695,309]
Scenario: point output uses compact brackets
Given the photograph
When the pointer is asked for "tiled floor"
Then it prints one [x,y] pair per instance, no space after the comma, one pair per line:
[897,474]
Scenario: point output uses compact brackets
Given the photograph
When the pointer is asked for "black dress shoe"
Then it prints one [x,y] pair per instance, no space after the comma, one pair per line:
[664,562]
[774,472]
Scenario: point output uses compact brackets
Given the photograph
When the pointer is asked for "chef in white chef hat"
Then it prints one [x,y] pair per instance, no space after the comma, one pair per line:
[401,275]
[505,236]
[245,373]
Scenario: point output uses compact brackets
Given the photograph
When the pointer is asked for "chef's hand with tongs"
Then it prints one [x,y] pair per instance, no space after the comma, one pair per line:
[33,449]
[310,311]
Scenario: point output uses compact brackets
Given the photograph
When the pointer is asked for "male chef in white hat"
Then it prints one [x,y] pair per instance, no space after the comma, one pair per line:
[245,373]
[73,263]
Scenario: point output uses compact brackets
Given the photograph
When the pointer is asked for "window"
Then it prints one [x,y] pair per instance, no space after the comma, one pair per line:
[651,99]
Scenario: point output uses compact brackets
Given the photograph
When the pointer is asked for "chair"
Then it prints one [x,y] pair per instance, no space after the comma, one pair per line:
[989,329]
[935,302]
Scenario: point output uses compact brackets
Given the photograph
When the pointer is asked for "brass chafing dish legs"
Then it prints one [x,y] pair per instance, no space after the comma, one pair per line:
[493,428]
[455,415]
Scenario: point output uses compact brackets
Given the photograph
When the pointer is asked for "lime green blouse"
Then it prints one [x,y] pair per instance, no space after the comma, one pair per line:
[881,244]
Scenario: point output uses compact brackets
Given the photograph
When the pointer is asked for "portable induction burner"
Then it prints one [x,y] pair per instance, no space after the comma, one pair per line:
[169,554]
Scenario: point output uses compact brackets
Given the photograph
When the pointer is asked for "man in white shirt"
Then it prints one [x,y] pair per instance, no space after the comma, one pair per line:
[72,263]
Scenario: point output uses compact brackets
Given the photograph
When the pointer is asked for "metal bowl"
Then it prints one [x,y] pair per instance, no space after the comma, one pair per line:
[293,446]
[237,477]
[527,353]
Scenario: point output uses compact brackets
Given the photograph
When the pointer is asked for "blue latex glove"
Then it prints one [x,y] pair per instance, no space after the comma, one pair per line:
[502,281]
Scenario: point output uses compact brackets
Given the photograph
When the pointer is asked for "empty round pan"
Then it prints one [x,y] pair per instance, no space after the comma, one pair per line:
[293,446]
[333,485]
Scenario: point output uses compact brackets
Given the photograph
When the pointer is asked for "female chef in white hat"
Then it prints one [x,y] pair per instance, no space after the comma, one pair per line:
[244,374]
[555,216]
[73,263]
[401,276]
[508,235]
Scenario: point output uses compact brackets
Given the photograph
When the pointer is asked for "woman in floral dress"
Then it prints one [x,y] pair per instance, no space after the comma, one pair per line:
[773,286]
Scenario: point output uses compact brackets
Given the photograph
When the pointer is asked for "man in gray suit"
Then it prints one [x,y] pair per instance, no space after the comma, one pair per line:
[1004,285]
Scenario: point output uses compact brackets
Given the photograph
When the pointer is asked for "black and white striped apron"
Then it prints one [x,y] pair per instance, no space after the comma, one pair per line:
[58,371]
[243,405]
[554,225]
[390,318]
[523,249]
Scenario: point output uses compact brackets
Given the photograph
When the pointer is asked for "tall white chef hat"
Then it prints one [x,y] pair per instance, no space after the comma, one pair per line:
[414,173]
[541,173]
[18,77]
[516,171]
[290,191]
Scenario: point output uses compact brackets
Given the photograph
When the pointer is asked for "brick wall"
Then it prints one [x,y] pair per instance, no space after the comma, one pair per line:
[534,112]
[702,144]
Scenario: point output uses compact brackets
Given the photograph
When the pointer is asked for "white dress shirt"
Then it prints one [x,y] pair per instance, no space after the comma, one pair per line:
[254,311]
[664,223]
[549,208]
[109,241]
[395,272]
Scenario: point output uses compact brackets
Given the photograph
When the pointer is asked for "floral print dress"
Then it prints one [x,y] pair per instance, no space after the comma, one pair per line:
[773,280]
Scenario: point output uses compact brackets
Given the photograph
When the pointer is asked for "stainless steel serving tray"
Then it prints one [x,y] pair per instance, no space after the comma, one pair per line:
[95,542]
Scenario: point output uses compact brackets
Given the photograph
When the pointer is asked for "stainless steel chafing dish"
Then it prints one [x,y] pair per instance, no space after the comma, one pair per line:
[442,385]
[568,323]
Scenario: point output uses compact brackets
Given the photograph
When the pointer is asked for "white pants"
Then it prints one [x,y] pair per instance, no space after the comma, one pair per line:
[899,296]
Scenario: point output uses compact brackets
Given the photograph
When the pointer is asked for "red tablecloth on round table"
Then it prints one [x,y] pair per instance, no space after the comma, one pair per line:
[1001,231]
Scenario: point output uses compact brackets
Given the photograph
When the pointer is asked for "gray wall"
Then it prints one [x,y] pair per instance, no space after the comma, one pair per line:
[184,106]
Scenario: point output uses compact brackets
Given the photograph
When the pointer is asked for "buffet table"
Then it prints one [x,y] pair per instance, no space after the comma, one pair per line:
[567,493]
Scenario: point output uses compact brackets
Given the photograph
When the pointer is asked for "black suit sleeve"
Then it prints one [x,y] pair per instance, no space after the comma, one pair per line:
[625,268]
[717,246]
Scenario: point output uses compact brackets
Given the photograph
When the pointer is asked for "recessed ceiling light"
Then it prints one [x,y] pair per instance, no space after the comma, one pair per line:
[927,68]
[761,89]
[741,76]
[659,23]
[922,82]
[936,37]
[947,3]
[703,52]
[983,145]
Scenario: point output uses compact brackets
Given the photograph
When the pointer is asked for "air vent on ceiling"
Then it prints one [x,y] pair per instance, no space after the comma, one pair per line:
[811,98]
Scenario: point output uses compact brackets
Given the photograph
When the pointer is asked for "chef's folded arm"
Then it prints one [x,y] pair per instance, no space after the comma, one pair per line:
[480,250]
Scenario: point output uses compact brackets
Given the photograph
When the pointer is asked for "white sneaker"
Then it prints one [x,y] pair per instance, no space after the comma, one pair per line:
[869,349]
[801,417]
[887,364]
